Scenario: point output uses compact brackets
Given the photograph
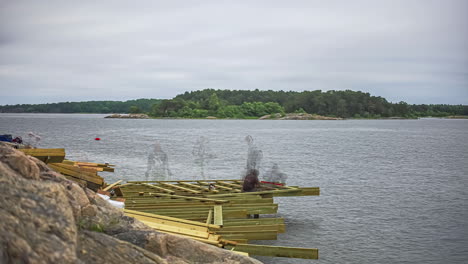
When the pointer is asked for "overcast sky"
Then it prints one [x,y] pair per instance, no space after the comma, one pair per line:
[410,50]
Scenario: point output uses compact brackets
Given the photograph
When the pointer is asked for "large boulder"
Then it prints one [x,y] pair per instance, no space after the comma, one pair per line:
[45,218]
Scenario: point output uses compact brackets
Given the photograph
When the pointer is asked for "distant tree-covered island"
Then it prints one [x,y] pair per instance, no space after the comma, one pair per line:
[245,104]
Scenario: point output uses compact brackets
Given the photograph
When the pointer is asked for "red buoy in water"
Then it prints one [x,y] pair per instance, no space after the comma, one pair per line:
[97,139]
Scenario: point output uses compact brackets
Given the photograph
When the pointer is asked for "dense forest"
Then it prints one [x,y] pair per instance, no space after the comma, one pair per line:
[253,104]
[135,106]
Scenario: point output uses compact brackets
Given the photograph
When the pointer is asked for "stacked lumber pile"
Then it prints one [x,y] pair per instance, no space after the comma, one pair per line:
[46,155]
[85,173]
[192,229]
[223,216]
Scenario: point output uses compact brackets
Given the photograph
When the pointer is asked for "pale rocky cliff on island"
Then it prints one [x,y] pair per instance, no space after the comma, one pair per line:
[45,218]
[129,116]
[298,116]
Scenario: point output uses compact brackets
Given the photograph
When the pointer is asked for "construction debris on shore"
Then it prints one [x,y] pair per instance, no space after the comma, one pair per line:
[215,212]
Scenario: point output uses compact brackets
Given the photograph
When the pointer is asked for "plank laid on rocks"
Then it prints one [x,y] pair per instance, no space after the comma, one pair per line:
[46,155]
[275,251]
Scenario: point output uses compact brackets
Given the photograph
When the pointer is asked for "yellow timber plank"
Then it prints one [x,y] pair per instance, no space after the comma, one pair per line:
[169,222]
[275,251]
[218,215]
[74,168]
[241,228]
[46,155]
[190,198]
[230,184]
[158,188]
[210,216]
[76,179]
[251,236]
[112,185]
[178,187]
[41,152]
[218,186]
[171,219]
[81,175]
[273,192]
[240,253]
[197,187]
[176,230]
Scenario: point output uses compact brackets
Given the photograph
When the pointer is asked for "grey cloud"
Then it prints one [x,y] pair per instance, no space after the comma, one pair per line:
[402,50]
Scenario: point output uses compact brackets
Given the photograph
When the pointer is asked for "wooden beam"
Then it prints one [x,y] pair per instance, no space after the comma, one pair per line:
[178,187]
[233,185]
[197,187]
[208,181]
[209,219]
[112,185]
[218,215]
[275,251]
[221,187]
[46,155]
[253,221]
[189,197]
[158,188]
[272,192]
[258,228]
[94,178]
[126,211]
[83,182]
[251,235]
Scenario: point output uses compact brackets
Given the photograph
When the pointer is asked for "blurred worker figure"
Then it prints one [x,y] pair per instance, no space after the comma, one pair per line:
[158,164]
[251,182]
[275,175]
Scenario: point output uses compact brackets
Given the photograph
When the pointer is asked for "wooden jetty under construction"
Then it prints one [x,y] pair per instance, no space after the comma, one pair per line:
[216,212]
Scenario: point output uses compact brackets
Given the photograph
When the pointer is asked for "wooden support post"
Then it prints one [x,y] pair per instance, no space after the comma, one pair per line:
[218,215]
[210,216]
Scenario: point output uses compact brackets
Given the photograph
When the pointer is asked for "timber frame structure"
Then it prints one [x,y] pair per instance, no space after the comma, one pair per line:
[216,212]
[223,216]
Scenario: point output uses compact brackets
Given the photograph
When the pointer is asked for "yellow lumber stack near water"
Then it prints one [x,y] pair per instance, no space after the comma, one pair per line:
[216,212]
[85,173]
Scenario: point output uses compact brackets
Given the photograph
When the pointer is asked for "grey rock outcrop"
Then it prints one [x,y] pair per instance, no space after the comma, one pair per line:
[45,218]
[129,116]
[298,116]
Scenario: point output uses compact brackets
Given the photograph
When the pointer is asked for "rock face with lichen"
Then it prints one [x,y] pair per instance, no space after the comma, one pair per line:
[45,218]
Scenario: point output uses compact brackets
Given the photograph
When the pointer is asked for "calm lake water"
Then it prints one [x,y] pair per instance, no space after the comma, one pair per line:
[392,191]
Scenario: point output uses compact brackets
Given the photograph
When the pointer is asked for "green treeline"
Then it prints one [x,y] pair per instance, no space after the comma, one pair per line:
[135,106]
[252,104]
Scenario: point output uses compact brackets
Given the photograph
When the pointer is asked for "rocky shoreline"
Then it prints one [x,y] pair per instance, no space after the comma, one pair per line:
[46,218]
[129,116]
[298,116]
